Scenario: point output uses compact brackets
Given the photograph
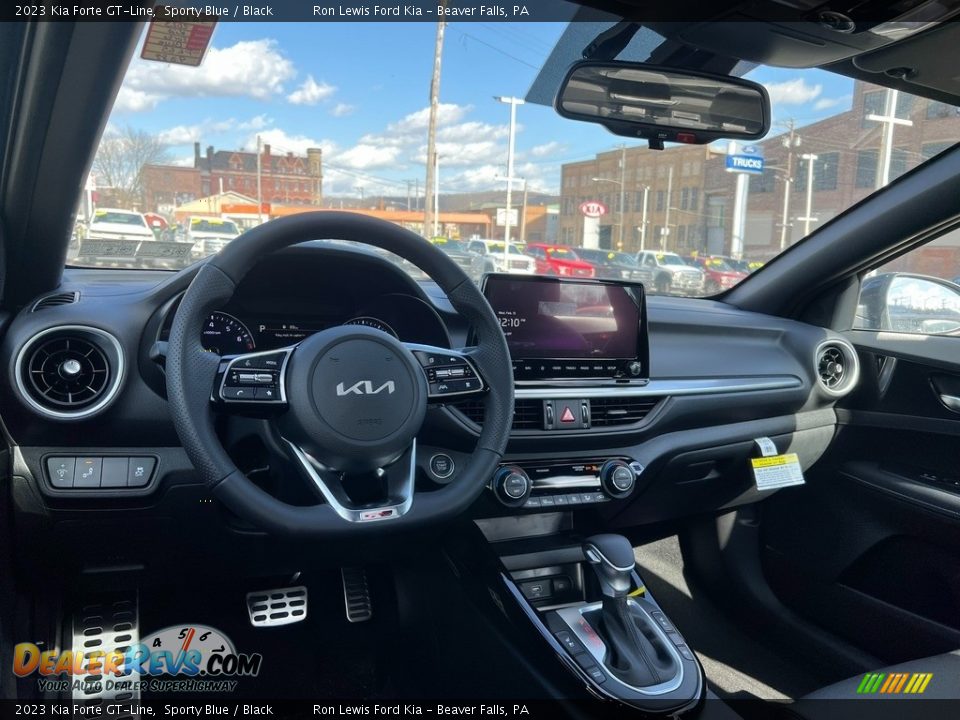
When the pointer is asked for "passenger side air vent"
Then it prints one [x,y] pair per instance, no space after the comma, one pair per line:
[49,301]
[69,372]
[838,368]
[527,413]
[626,410]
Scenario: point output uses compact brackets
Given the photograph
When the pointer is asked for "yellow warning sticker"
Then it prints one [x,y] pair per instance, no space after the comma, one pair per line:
[777,471]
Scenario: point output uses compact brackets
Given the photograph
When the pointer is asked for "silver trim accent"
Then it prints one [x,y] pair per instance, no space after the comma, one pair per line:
[112,389]
[952,402]
[595,557]
[853,367]
[282,385]
[596,647]
[364,514]
[693,386]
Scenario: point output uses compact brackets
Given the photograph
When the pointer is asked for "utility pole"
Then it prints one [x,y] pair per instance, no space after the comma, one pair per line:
[436,195]
[666,220]
[359,189]
[643,217]
[811,159]
[431,196]
[623,180]
[512,102]
[523,215]
[409,183]
[890,121]
[790,142]
[259,182]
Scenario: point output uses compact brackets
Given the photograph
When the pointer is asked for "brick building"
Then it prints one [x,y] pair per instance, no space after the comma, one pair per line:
[690,201]
[671,180]
[286,179]
[166,187]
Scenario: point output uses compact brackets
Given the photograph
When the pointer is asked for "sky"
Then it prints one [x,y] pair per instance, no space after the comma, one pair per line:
[360,91]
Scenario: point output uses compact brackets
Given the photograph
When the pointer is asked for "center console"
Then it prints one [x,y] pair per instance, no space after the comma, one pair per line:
[575,344]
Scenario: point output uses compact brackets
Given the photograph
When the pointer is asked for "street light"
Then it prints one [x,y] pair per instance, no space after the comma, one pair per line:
[643,214]
[512,102]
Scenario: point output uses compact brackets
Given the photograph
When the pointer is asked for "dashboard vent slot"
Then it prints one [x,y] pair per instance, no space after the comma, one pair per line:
[527,413]
[625,410]
[837,367]
[70,371]
[55,300]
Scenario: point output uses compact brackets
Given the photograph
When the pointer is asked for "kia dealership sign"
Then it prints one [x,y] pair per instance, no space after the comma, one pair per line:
[593,208]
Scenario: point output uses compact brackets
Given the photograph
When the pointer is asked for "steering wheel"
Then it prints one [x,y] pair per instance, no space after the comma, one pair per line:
[348,401]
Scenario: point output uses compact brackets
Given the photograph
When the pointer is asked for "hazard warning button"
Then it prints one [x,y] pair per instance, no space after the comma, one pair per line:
[566,414]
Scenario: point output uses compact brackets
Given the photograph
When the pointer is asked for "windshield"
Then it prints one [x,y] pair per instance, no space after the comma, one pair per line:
[562,252]
[273,123]
[118,218]
[451,245]
[213,226]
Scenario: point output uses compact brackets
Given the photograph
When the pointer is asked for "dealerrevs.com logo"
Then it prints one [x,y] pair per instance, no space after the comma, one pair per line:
[187,652]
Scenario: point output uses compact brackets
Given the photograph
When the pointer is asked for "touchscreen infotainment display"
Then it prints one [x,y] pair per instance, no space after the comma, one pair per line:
[551,318]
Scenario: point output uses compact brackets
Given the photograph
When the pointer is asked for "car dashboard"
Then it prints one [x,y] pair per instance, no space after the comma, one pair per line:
[719,378]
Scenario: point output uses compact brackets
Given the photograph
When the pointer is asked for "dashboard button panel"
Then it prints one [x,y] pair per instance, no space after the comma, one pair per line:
[97,472]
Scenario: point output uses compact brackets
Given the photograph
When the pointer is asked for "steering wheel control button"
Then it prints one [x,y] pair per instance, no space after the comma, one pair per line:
[114,472]
[139,471]
[442,466]
[60,471]
[87,472]
[247,378]
[238,393]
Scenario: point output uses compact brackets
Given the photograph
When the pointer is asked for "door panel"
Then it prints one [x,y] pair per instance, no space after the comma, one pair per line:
[871,551]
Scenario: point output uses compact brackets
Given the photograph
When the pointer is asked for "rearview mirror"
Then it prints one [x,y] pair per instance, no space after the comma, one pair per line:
[664,104]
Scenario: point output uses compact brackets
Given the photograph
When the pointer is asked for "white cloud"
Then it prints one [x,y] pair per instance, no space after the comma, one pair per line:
[342,109]
[547,149]
[828,103]
[366,157]
[186,161]
[447,114]
[188,134]
[249,68]
[311,92]
[281,142]
[793,92]
[257,122]
[181,135]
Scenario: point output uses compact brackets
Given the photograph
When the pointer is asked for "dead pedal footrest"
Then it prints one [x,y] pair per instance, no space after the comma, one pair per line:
[356,595]
[283,606]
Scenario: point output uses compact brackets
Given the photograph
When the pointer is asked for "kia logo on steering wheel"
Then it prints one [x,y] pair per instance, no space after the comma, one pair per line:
[365,387]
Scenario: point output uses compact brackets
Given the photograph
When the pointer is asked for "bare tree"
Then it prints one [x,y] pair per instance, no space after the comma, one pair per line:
[119,162]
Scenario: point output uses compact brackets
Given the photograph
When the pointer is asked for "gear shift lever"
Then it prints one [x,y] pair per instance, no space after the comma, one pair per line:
[636,653]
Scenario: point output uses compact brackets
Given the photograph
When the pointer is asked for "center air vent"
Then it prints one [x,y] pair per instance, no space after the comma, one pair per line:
[48,301]
[837,367]
[619,410]
[69,372]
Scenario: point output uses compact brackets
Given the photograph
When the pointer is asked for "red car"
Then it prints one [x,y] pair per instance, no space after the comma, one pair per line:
[720,275]
[559,260]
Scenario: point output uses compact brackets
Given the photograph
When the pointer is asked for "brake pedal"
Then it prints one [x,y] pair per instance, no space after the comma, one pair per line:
[356,595]
[283,606]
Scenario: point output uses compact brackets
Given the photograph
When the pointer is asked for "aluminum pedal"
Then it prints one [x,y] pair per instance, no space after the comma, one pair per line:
[356,595]
[283,606]
[110,626]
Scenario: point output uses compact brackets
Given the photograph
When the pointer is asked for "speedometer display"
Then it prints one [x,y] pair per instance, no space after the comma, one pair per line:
[372,322]
[225,335]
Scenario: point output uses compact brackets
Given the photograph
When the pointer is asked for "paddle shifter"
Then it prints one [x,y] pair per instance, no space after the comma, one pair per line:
[636,653]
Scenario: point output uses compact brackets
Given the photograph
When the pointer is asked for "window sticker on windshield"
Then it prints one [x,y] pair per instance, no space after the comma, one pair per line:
[777,471]
[180,43]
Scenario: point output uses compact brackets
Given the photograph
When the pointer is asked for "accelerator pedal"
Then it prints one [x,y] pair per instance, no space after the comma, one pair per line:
[283,606]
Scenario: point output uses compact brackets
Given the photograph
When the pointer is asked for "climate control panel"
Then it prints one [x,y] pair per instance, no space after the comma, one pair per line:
[539,484]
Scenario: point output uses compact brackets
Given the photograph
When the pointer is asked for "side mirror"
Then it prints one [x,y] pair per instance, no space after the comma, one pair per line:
[907,303]
[664,104]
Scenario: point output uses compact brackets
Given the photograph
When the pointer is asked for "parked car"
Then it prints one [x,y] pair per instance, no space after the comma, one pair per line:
[209,235]
[114,224]
[559,260]
[720,274]
[665,273]
[492,253]
[612,264]
[473,265]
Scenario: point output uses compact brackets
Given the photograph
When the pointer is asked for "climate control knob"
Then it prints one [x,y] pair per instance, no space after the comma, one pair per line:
[617,478]
[512,486]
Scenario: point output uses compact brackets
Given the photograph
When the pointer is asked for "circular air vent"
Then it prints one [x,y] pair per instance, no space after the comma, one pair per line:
[69,372]
[837,367]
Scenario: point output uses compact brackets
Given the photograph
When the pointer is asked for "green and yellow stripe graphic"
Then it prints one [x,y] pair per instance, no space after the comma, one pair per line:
[894,683]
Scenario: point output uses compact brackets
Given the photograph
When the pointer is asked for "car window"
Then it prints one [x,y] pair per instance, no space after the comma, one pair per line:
[118,218]
[918,292]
